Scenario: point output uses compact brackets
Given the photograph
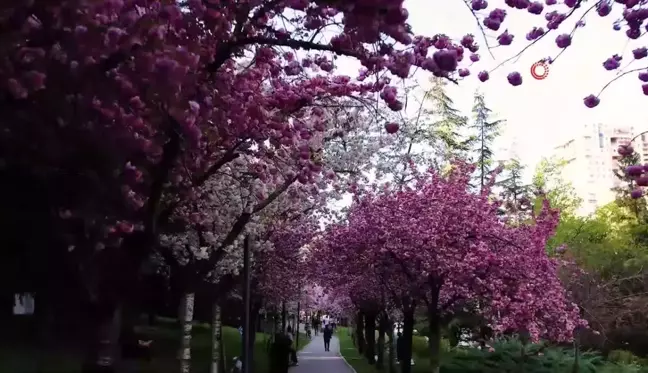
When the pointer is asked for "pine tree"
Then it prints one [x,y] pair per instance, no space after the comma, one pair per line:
[486,130]
[429,138]
[449,122]
[623,198]
[517,195]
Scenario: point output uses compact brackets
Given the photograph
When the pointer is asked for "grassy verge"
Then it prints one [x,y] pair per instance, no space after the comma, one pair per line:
[360,364]
[166,337]
[350,353]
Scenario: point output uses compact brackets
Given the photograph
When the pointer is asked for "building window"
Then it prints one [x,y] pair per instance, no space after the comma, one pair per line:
[601,140]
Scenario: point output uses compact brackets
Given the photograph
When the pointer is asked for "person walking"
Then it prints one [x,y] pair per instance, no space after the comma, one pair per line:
[328,334]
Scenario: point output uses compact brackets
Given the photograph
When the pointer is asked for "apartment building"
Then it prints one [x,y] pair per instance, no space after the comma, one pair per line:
[592,158]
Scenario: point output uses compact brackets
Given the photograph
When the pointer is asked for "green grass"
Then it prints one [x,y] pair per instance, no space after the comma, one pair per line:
[166,338]
[350,354]
[360,364]
[502,360]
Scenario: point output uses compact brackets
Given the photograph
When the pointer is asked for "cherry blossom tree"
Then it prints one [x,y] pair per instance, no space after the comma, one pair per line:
[146,102]
[448,249]
[125,109]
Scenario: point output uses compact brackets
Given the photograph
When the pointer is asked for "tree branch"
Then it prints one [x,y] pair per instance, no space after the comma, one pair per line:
[225,50]
[170,153]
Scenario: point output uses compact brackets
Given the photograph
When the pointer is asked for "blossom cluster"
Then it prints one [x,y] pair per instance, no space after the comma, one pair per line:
[440,243]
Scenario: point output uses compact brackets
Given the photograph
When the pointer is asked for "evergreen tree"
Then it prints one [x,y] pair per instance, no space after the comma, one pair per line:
[549,182]
[517,195]
[449,124]
[486,129]
[429,138]
[638,206]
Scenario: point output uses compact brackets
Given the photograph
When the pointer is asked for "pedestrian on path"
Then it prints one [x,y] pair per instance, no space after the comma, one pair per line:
[328,334]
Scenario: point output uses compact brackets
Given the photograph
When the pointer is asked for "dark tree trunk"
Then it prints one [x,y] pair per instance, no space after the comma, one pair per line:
[283,317]
[250,329]
[370,336]
[408,332]
[101,355]
[382,330]
[360,341]
[434,342]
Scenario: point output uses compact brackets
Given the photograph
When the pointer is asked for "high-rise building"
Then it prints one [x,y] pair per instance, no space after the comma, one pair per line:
[592,157]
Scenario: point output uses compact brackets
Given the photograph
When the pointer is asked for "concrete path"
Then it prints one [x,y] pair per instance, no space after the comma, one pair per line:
[313,359]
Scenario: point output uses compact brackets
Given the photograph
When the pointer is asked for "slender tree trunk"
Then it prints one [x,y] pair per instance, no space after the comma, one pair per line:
[101,357]
[283,317]
[392,341]
[370,335]
[408,332]
[254,317]
[434,342]
[380,362]
[297,329]
[360,341]
[186,317]
[216,362]
[576,366]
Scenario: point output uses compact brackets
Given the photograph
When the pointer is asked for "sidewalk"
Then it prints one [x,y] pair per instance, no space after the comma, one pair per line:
[313,358]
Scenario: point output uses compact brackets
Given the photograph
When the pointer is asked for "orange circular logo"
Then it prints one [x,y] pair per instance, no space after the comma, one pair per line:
[540,70]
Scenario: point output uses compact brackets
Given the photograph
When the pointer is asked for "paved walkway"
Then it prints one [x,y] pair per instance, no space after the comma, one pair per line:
[313,358]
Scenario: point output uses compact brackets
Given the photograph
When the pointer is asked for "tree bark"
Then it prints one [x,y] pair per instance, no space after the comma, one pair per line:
[392,358]
[360,341]
[408,332]
[102,354]
[382,330]
[370,336]
[216,331]
[434,342]
[283,317]
[186,316]
[251,330]
[101,357]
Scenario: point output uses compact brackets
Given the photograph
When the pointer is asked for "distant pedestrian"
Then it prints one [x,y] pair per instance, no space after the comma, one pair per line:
[328,334]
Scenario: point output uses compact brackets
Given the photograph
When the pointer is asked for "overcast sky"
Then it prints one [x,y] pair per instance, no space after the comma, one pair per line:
[539,113]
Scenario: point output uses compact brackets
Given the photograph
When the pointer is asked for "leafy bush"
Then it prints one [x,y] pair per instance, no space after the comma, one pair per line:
[420,348]
[507,357]
[622,357]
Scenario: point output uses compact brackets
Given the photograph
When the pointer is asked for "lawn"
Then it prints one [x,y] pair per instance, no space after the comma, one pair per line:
[360,364]
[166,340]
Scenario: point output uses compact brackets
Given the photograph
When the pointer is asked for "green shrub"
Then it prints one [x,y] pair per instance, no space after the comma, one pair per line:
[622,357]
[420,348]
[506,357]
